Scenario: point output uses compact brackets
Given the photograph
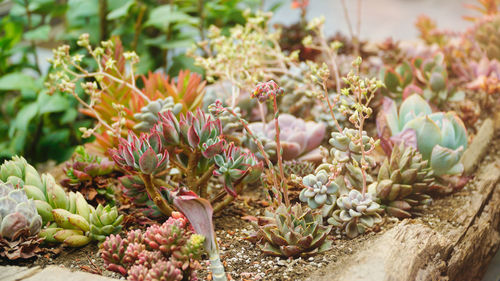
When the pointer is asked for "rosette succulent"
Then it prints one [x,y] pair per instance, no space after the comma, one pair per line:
[403,181]
[104,221]
[299,139]
[148,116]
[292,232]
[440,137]
[144,154]
[355,214]
[88,175]
[237,166]
[318,190]
[163,252]
[19,223]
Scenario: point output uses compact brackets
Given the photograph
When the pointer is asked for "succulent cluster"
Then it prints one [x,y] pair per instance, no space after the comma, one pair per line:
[89,175]
[299,139]
[71,220]
[487,34]
[440,137]
[292,232]
[19,223]
[163,252]
[148,117]
[403,181]
[355,213]
[319,190]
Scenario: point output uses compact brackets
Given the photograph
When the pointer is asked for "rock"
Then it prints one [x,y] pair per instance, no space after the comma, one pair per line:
[14,273]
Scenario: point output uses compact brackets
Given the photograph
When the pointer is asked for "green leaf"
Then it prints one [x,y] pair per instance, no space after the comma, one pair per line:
[55,103]
[41,33]
[120,12]
[17,81]
[24,116]
[162,16]
[392,81]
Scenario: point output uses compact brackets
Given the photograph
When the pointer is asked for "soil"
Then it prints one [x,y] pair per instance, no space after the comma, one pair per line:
[243,260]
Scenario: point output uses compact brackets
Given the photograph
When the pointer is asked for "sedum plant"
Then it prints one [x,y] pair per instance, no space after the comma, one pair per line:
[67,217]
[403,181]
[19,224]
[356,213]
[292,232]
[89,175]
[440,137]
[170,251]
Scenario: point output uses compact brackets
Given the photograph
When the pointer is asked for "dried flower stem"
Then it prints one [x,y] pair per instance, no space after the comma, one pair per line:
[283,182]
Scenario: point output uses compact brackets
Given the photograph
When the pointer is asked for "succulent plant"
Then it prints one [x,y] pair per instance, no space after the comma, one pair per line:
[19,224]
[105,221]
[355,214]
[440,137]
[346,152]
[484,75]
[87,174]
[403,181]
[298,168]
[68,214]
[318,190]
[299,138]
[300,96]
[487,34]
[237,166]
[166,252]
[144,154]
[292,232]
[133,189]
[148,116]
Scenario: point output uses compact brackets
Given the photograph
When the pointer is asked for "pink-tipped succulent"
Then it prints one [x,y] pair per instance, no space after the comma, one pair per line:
[299,139]
[237,166]
[143,154]
[267,90]
[166,252]
[89,175]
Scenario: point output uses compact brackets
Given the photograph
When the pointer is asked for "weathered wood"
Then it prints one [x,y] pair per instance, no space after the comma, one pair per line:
[14,273]
[456,245]
[478,147]
[56,273]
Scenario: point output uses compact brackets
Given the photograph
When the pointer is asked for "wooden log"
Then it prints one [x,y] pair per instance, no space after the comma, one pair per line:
[454,240]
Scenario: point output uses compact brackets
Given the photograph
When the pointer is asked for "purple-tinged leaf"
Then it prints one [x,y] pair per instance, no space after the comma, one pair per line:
[148,161]
[193,137]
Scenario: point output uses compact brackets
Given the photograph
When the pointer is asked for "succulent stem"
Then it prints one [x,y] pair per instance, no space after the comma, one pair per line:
[203,180]
[155,195]
[284,186]
[330,105]
[216,267]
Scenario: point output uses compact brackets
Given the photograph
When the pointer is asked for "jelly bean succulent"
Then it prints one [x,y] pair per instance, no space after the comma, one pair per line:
[403,181]
[90,175]
[292,232]
[170,251]
[19,224]
[440,137]
[66,217]
[355,213]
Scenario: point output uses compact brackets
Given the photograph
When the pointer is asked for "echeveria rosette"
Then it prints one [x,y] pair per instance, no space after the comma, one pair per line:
[237,166]
[144,154]
[356,213]
[292,232]
[201,132]
[104,221]
[19,224]
[440,137]
[319,190]
[299,139]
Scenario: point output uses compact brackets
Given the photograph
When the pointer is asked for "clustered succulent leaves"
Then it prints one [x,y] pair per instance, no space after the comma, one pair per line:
[67,218]
[403,181]
[355,213]
[90,175]
[440,137]
[19,224]
[292,232]
[318,190]
[170,251]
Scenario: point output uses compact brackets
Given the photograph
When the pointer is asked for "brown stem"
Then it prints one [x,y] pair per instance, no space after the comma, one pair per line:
[191,170]
[103,24]
[284,186]
[155,195]
[221,204]
[201,184]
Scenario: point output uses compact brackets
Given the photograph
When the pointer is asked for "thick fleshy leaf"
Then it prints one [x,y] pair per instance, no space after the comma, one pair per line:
[428,134]
[148,161]
[445,161]
[193,137]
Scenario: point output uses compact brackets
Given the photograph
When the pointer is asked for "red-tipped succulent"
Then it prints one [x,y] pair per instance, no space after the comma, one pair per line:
[237,166]
[143,154]
[265,91]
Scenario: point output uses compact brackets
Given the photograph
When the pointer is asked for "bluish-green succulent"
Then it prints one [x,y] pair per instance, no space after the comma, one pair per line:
[440,137]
